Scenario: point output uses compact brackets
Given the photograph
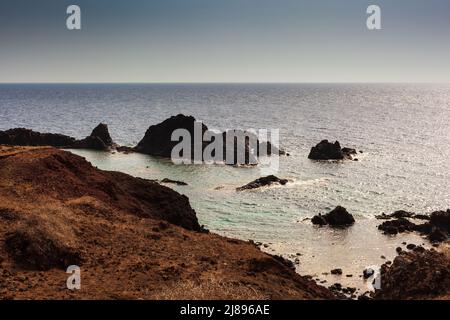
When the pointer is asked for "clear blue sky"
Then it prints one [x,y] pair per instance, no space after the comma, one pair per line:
[225,41]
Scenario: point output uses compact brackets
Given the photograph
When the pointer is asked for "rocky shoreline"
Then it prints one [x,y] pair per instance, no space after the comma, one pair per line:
[45,189]
[132,238]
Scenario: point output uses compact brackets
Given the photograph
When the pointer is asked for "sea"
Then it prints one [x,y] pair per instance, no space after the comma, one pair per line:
[403,131]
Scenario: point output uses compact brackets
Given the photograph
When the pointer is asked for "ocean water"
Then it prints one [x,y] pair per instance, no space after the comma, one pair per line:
[402,129]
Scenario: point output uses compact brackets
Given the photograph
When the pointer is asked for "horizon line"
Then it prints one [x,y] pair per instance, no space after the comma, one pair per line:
[228,82]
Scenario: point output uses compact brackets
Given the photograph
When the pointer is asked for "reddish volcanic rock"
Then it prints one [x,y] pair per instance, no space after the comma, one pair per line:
[132,238]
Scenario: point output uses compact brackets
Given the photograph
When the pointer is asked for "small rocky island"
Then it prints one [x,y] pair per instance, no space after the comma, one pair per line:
[338,217]
[157,141]
[262,182]
[325,150]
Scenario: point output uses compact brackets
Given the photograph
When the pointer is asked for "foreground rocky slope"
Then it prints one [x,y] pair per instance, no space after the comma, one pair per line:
[131,237]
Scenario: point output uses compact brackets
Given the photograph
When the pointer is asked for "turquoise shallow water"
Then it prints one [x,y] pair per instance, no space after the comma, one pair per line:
[402,129]
[271,216]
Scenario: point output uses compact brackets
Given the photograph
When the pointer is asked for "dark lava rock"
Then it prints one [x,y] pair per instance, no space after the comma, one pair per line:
[397,214]
[90,142]
[419,249]
[157,140]
[98,140]
[397,226]
[441,220]
[367,273]
[403,214]
[365,296]
[421,217]
[349,290]
[348,151]
[125,149]
[437,235]
[261,182]
[336,287]
[319,220]
[101,131]
[179,183]
[326,150]
[437,228]
[337,271]
[416,275]
[337,217]
[27,137]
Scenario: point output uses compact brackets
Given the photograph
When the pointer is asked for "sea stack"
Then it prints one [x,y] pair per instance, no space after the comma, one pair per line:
[339,216]
[99,139]
[157,140]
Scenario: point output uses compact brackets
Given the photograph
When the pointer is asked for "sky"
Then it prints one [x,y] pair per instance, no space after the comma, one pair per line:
[225,41]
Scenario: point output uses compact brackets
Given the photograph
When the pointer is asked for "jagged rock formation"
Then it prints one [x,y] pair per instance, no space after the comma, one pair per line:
[99,139]
[325,150]
[336,217]
[27,137]
[262,182]
[158,141]
[436,227]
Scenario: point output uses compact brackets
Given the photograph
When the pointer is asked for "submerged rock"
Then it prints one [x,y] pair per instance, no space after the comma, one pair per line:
[339,216]
[326,150]
[337,271]
[261,182]
[179,183]
[396,214]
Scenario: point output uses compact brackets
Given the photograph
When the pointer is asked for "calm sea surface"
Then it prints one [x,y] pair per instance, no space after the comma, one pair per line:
[404,131]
